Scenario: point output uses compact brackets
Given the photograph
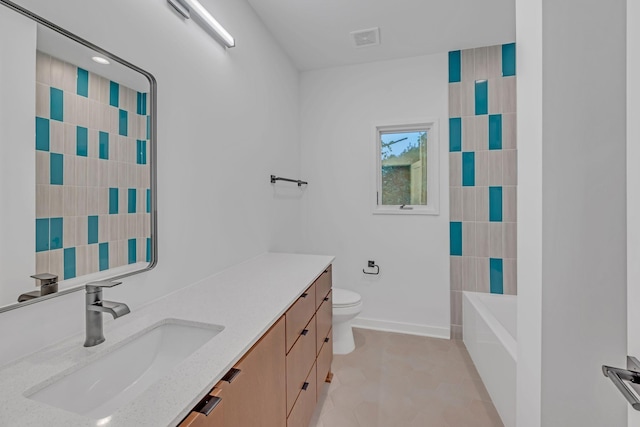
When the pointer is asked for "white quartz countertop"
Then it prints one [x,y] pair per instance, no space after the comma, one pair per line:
[246,299]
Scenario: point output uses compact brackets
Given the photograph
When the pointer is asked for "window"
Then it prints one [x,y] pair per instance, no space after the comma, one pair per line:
[406,171]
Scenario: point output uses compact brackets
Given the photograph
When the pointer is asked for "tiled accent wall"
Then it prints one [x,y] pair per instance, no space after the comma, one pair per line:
[483,173]
[92,172]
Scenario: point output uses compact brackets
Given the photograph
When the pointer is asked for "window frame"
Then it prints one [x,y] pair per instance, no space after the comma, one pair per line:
[433,171]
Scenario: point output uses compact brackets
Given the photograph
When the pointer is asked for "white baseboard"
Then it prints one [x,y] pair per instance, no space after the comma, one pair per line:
[401,328]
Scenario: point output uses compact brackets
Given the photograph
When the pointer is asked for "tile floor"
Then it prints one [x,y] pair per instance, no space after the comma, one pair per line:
[398,380]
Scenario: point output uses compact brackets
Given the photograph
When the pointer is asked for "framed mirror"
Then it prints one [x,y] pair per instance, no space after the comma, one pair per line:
[77,162]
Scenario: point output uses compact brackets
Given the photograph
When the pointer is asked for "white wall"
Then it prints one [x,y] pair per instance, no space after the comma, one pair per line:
[578,177]
[227,119]
[340,108]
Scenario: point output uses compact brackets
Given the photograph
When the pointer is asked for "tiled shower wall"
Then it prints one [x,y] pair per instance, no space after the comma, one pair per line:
[92,172]
[483,173]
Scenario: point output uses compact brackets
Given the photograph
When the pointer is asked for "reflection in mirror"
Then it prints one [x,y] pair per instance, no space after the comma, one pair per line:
[89,165]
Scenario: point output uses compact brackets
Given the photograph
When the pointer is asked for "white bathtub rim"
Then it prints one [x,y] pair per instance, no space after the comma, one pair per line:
[506,339]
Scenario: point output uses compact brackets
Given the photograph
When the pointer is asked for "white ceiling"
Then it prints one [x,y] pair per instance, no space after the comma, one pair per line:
[315,33]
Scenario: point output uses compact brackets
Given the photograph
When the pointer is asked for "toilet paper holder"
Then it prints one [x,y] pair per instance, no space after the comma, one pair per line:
[372,264]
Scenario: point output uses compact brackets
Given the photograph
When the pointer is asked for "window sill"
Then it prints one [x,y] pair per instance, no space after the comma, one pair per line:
[395,210]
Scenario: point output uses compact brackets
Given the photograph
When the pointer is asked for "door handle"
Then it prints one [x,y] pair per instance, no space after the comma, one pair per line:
[619,376]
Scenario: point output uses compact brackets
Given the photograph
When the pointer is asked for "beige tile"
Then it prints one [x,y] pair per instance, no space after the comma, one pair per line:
[510,240]
[113,254]
[70,146]
[482,204]
[103,200]
[56,263]
[468,239]
[495,239]
[43,175]
[481,65]
[82,232]
[70,200]
[510,277]
[455,170]
[103,173]
[124,175]
[494,61]
[495,95]
[455,270]
[69,231]
[70,78]
[482,239]
[112,173]
[42,262]
[43,68]
[482,269]
[509,131]
[467,98]
[455,203]
[122,202]
[82,112]
[93,201]
[141,246]
[482,168]
[122,252]
[132,226]
[93,144]
[81,171]
[456,307]
[105,117]
[70,108]
[468,134]
[509,204]
[81,201]
[82,260]
[103,228]
[469,279]
[94,87]
[43,100]
[495,167]
[69,170]
[468,204]
[482,132]
[114,227]
[467,63]
[114,126]
[56,201]
[104,91]
[57,73]
[57,136]
[42,201]
[123,227]
[92,172]
[510,167]
[92,259]
[509,98]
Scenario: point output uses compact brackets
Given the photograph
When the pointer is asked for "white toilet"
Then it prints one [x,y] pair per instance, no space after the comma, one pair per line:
[346,306]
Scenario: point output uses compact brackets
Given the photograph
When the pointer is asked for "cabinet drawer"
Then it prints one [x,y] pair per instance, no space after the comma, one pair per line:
[299,360]
[323,286]
[208,413]
[298,316]
[305,405]
[323,365]
[323,320]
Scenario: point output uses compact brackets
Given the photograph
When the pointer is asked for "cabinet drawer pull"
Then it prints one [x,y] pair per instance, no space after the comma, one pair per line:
[210,403]
[304,295]
[304,332]
[326,339]
[304,386]
[231,375]
[326,298]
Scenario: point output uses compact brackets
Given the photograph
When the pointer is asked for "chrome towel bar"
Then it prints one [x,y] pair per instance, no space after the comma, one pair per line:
[619,376]
[297,181]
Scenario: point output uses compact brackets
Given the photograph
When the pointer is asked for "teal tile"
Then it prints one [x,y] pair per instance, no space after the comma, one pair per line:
[496,276]
[148,249]
[113,201]
[455,237]
[103,256]
[509,59]
[82,141]
[56,231]
[455,134]
[42,234]
[114,94]
[148,200]
[103,148]
[56,104]
[83,83]
[123,124]
[56,169]
[482,97]
[133,253]
[69,263]
[468,169]
[495,132]
[131,197]
[92,231]
[495,204]
[43,134]
[455,67]
[142,104]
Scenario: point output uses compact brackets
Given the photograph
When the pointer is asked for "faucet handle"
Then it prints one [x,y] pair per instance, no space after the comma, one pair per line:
[97,286]
[45,279]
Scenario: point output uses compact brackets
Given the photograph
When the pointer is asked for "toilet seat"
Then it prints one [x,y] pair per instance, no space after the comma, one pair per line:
[343,298]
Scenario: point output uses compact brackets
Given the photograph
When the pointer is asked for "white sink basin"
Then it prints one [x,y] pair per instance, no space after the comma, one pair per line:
[98,389]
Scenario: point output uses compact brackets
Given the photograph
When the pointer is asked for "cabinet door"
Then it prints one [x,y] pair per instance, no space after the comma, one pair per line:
[324,319]
[208,413]
[305,405]
[299,361]
[299,314]
[256,397]
[323,286]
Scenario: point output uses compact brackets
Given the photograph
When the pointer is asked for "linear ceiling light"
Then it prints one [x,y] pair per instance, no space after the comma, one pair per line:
[186,7]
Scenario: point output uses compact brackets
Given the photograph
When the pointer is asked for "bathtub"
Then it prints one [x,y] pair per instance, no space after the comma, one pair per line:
[489,333]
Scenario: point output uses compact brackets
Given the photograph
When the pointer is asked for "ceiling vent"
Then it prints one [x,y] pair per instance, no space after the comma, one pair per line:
[364,38]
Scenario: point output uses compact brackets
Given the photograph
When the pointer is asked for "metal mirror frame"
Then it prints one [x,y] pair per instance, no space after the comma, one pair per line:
[152,149]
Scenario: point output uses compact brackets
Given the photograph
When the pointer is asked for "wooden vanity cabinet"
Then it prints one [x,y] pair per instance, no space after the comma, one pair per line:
[209,412]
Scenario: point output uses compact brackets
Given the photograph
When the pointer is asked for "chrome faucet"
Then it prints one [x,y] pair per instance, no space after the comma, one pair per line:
[94,309]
